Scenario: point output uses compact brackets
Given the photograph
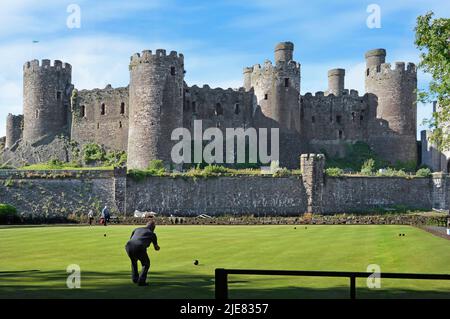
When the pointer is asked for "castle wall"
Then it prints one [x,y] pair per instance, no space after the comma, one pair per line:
[362,194]
[330,122]
[58,193]
[46,98]
[14,129]
[101,116]
[212,196]
[217,107]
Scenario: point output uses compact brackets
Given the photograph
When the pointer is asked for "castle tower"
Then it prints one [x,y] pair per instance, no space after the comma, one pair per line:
[392,95]
[156,106]
[277,87]
[46,98]
[336,81]
[14,126]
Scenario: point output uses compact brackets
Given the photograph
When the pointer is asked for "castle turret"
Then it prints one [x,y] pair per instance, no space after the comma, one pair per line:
[284,52]
[375,57]
[14,127]
[248,78]
[392,95]
[336,81]
[46,98]
[155,106]
[277,87]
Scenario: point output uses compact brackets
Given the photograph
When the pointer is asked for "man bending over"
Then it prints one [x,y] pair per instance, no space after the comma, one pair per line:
[136,248]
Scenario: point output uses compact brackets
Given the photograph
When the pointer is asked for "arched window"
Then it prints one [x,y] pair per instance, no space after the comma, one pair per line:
[236,108]
[286,82]
[172,70]
[122,108]
[219,109]
[367,72]
[103,109]
[83,111]
[340,134]
[120,124]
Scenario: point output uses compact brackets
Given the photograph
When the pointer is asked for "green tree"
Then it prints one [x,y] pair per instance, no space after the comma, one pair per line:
[433,40]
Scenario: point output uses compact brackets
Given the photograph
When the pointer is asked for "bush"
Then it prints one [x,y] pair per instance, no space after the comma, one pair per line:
[93,152]
[392,172]
[368,167]
[116,158]
[214,169]
[423,172]
[334,171]
[281,172]
[8,213]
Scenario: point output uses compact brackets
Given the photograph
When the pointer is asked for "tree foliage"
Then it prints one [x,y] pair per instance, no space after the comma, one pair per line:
[433,40]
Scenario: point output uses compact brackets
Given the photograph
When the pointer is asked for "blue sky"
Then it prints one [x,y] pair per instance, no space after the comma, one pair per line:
[218,38]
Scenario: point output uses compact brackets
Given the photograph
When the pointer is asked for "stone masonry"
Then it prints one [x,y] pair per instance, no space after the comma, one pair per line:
[140,118]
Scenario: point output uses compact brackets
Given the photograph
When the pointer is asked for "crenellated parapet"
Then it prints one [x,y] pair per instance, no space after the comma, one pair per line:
[46,65]
[160,55]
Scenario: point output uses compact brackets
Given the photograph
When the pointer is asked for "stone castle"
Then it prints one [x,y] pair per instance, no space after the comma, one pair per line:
[140,118]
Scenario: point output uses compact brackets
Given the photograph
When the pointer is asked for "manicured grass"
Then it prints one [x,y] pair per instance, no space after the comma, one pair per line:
[33,261]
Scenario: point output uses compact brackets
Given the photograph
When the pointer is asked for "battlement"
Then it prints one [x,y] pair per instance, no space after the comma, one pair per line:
[46,64]
[206,87]
[312,157]
[268,67]
[147,56]
[345,93]
[386,70]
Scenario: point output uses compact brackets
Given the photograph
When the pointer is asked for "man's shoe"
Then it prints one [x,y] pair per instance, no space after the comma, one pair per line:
[143,284]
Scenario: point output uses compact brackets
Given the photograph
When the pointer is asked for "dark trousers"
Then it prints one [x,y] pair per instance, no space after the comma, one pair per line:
[138,252]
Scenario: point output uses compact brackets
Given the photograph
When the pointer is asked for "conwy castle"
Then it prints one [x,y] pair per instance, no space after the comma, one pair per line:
[140,118]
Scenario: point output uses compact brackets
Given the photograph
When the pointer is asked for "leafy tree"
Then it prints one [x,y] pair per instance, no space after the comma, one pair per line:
[433,40]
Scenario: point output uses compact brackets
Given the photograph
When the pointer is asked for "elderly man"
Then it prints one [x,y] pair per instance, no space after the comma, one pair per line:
[136,248]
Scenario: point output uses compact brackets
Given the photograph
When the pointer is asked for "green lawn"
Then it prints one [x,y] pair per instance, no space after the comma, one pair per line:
[33,261]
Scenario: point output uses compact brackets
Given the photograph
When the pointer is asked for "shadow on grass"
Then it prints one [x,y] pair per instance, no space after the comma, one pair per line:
[110,285]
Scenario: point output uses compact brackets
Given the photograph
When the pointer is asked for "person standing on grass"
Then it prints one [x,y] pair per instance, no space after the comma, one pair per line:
[105,215]
[136,248]
[91,217]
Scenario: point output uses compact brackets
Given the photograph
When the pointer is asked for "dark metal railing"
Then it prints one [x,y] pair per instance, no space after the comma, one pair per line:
[221,281]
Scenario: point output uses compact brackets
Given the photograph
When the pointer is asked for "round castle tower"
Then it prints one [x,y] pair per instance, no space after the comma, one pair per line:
[14,126]
[156,106]
[277,87]
[392,95]
[46,96]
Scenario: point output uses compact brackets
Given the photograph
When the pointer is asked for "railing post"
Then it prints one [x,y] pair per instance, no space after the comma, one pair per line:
[221,282]
[352,287]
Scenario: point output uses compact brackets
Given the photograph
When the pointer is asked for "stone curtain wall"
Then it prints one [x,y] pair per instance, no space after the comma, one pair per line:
[66,192]
[362,194]
[59,193]
[220,195]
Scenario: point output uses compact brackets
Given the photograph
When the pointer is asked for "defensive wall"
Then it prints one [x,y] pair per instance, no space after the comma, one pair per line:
[62,192]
